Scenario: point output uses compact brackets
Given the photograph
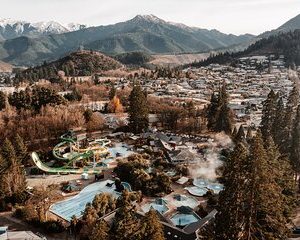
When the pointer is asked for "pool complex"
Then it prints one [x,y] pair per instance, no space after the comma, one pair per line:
[76,205]
[201,187]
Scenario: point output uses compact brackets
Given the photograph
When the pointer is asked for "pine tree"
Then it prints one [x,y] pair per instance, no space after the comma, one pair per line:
[283,175]
[74,225]
[220,117]
[21,150]
[268,115]
[240,136]
[13,173]
[89,219]
[100,231]
[212,112]
[138,110]
[224,116]
[290,114]
[152,229]
[126,225]
[230,216]
[264,212]
[112,92]
[2,100]
[279,125]
[249,135]
[234,132]
[295,143]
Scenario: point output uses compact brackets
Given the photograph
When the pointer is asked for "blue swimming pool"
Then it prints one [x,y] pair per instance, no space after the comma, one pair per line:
[76,205]
[197,191]
[181,219]
[119,150]
[158,204]
[206,184]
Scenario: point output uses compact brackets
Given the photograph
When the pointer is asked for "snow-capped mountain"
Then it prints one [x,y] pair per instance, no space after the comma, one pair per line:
[75,27]
[10,29]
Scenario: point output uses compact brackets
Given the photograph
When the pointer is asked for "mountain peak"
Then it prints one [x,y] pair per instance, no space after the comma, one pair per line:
[148,18]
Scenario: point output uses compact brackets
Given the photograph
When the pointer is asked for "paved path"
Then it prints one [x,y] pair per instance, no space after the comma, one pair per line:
[46,180]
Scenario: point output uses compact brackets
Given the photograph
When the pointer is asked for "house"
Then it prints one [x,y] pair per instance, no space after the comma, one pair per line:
[6,234]
[183,156]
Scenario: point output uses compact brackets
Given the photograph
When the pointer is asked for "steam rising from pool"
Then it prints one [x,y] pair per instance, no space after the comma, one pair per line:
[206,167]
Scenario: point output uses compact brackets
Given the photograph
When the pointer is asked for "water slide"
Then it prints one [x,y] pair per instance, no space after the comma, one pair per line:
[48,169]
[96,148]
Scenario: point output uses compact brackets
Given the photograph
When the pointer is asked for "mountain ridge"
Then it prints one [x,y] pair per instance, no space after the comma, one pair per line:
[146,33]
[10,29]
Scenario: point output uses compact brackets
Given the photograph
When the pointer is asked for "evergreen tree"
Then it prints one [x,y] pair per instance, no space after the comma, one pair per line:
[279,125]
[295,143]
[290,114]
[112,92]
[268,115]
[230,216]
[234,132]
[13,177]
[74,225]
[2,100]
[219,115]
[264,211]
[240,136]
[89,219]
[100,231]
[138,110]
[126,225]
[212,113]
[283,175]
[152,229]
[21,150]
[249,134]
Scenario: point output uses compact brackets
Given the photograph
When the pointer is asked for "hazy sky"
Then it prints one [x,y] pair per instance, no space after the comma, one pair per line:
[229,16]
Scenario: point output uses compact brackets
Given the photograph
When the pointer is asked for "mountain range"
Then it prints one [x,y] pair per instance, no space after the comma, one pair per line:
[10,29]
[30,44]
[146,33]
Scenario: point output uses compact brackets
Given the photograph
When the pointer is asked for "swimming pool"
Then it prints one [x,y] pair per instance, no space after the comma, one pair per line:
[159,205]
[119,150]
[76,205]
[206,184]
[197,191]
[182,219]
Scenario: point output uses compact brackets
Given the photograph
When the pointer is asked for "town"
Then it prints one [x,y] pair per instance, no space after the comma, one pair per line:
[147,129]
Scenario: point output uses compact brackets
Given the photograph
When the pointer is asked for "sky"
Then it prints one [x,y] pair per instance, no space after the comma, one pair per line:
[228,16]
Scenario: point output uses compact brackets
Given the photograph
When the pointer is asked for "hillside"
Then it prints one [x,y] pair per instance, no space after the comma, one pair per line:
[290,26]
[178,59]
[5,67]
[142,33]
[81,63]
[287,44]
[134,58]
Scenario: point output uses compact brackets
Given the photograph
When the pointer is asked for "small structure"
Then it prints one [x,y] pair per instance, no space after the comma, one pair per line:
[85,176]
[5,234]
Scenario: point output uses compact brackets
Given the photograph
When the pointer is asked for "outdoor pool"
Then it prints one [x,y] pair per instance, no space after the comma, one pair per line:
[181,219]
[76,205]
[197,191]
[159,205]
[119,150]
[206,184]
